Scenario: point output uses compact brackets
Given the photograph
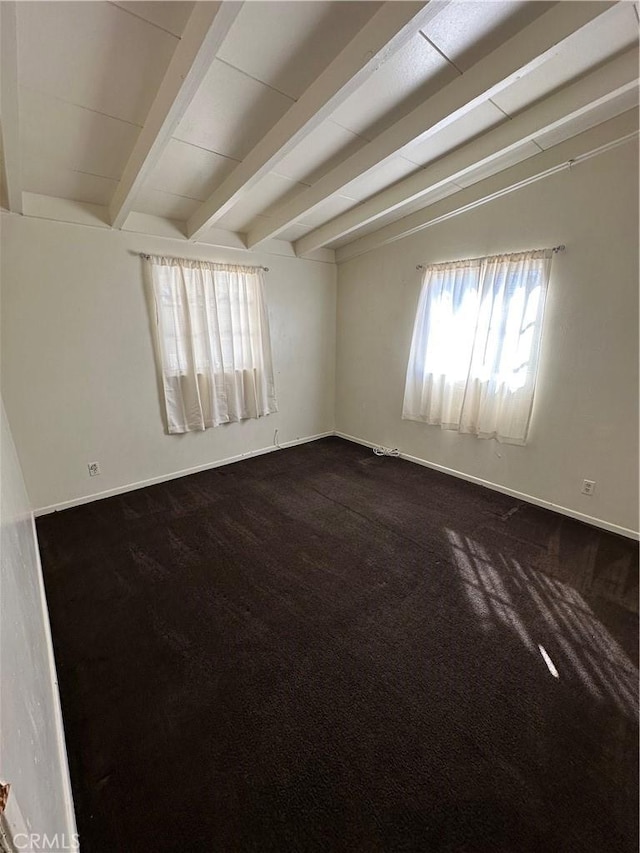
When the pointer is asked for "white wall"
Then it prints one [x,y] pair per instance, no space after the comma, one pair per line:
[32,755]
[585,414]
[79,376]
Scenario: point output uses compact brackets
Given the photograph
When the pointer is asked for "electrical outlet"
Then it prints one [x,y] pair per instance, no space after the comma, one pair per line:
[588,487]
[94,469]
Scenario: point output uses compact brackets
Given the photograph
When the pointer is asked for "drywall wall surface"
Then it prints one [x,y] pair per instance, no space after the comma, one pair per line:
[32,753]
[78,367]
[585,417]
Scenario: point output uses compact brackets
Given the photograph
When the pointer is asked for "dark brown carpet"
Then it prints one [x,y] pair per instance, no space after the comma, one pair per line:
[322,650]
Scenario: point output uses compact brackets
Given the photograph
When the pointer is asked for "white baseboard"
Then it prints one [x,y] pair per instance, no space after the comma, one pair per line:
[129,487]
[563,510]
[65,781]
[163,478]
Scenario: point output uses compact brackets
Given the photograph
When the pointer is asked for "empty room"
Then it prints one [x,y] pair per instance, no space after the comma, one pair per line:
[319,446]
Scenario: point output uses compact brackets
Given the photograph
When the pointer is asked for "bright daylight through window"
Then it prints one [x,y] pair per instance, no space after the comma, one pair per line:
[476,343]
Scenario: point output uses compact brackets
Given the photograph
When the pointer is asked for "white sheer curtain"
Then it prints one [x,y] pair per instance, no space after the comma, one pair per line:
[213,343]
[475,347]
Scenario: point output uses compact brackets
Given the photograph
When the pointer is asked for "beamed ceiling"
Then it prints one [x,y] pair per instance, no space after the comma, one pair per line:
[321,128]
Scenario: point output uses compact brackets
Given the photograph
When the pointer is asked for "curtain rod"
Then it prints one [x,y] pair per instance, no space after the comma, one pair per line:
[555,250]
[146,257]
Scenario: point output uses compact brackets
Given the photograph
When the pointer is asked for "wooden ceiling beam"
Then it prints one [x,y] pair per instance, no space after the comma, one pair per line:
[605,84]
[389,29]
[201,40]
[590,143]
[532,46]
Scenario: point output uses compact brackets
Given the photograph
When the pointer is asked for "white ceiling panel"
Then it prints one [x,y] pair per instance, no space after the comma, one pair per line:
[479,173]
[236,221]
[94,55]
[231,112]
[270,190]
[477,120]
[377,179]
[73,137]
[604,112]
[406,210]
[170,16]
[467,31]
[411,75]
[329,208]
[170,206]
[89,71]
[187,170]
[287,45]
[612,32]
[426,200]
[319,152]
[294,232]
[211,235]
[46,178]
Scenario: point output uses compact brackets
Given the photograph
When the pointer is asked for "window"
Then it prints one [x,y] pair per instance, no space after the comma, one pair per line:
[213,343]
[476,340]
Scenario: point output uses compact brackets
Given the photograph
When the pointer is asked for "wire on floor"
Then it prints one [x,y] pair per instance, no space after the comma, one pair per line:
[386,451]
